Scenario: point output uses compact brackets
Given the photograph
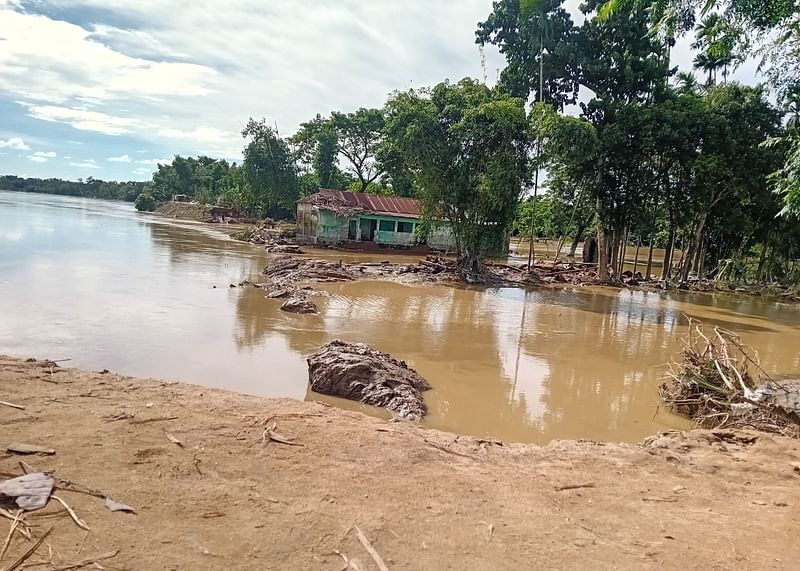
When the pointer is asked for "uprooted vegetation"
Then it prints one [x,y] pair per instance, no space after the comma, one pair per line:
[720,384]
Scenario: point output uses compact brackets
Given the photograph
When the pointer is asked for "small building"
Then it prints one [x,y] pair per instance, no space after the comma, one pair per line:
[336,217]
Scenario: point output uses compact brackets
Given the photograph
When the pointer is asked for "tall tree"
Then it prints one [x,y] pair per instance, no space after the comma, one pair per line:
[360,134]
[537,38]
[468,148]
[269,169]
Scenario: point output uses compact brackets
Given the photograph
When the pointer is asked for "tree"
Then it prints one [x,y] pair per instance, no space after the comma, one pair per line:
[145,202]
[269,170]
[467,146]
[537,38]
[359,135]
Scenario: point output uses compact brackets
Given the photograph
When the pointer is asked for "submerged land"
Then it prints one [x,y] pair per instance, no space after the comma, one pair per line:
[213,490]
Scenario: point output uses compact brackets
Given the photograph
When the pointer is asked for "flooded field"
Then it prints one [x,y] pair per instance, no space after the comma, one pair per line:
[94,282]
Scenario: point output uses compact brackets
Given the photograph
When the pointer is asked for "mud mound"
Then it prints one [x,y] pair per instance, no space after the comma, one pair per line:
[184,210]
[289,270]
[358,372]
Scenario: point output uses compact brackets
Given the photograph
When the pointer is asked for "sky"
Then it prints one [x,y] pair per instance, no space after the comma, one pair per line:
[110,89]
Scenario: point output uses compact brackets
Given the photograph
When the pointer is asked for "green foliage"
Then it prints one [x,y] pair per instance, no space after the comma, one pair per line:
[467,146]
[89,188]
[360,134]
[535,36]
[145,202]
[269,170]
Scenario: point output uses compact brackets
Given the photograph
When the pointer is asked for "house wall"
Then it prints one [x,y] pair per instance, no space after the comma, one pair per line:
[324,226]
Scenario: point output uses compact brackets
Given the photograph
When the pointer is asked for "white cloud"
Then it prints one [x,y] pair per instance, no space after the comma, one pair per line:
[87,164]
[119,159]
[154,162]
[37,159]
[142,170]
[14,143]
[83,119]
[48,154]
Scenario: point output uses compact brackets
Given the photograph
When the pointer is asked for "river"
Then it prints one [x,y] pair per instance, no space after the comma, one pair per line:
[97,283]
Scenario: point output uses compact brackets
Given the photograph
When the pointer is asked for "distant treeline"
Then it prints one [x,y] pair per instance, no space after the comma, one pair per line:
[88,188]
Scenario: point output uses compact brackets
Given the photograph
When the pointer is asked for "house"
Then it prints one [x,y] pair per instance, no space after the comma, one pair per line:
[335,217]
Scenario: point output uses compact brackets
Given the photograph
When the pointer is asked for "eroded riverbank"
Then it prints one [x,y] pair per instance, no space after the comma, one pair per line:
[94,282]
[424,499]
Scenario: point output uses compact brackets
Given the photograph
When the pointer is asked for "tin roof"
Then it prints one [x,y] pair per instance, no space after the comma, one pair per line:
[349,203]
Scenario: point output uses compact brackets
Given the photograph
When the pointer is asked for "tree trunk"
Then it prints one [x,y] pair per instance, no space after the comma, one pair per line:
[615,240]
[623,250]
[578,237]
[650,259]
[763,258]
[665,270]
[695,244]
[602,248]
[636,256]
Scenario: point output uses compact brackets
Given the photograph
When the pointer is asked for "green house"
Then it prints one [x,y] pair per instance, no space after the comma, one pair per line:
[335,217]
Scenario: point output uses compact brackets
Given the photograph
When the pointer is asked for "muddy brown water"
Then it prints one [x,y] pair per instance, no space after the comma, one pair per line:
[95,282]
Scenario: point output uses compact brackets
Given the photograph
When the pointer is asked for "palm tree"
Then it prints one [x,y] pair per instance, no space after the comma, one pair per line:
[687,83]
[714,37]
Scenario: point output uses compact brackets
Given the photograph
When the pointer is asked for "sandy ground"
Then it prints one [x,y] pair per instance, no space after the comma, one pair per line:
[423,499]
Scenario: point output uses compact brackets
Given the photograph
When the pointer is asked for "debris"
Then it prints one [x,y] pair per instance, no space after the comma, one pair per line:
[11,531]
[285,249]
[116,506]
[12,405]
[19,448]
[575,486]
[78,521]
[270,434]
[278,293]
[86,562]
[298,305]
[720,384]
[156,419]
[31,491]
[24,557]
[371,550]
[662,500]
[357,372]
[489,530]
[173,439]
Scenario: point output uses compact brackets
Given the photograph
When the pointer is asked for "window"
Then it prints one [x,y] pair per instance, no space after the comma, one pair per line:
[386,226]
[405,227]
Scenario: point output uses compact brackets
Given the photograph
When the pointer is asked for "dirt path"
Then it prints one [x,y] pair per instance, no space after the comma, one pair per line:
[423,499]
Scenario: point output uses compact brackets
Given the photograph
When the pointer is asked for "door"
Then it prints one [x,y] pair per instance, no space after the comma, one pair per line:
[352,230]
[368,227]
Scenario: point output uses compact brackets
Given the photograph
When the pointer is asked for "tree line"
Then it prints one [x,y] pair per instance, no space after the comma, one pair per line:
[689,162]
[86,188]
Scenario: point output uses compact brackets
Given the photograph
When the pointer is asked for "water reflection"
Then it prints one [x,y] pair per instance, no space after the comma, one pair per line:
[95,282]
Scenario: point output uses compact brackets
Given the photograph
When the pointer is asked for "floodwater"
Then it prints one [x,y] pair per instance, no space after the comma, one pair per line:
[95,282]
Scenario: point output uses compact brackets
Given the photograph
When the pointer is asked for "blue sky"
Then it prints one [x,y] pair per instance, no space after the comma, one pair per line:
[102,89]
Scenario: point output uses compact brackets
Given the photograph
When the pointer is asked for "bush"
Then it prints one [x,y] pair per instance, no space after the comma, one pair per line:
[145,202]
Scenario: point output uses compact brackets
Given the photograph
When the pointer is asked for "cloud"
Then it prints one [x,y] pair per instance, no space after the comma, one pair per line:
[119,159]
[37,159]
[48,154]
[142,170]
[14,143]
[83,119]
[154,162]
[87,164]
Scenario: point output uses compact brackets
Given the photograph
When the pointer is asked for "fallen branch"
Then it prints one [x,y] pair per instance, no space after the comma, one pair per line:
[10,534]
[575,486]
[12,405]
[24,557]
[78,521]
[155,419]
[86,562]
[371,550]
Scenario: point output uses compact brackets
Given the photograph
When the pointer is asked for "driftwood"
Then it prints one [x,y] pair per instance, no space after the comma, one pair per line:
[719,383]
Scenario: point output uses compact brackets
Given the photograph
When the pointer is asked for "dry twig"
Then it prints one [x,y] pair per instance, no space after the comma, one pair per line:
[78,521]
[371,550]
[24,557]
